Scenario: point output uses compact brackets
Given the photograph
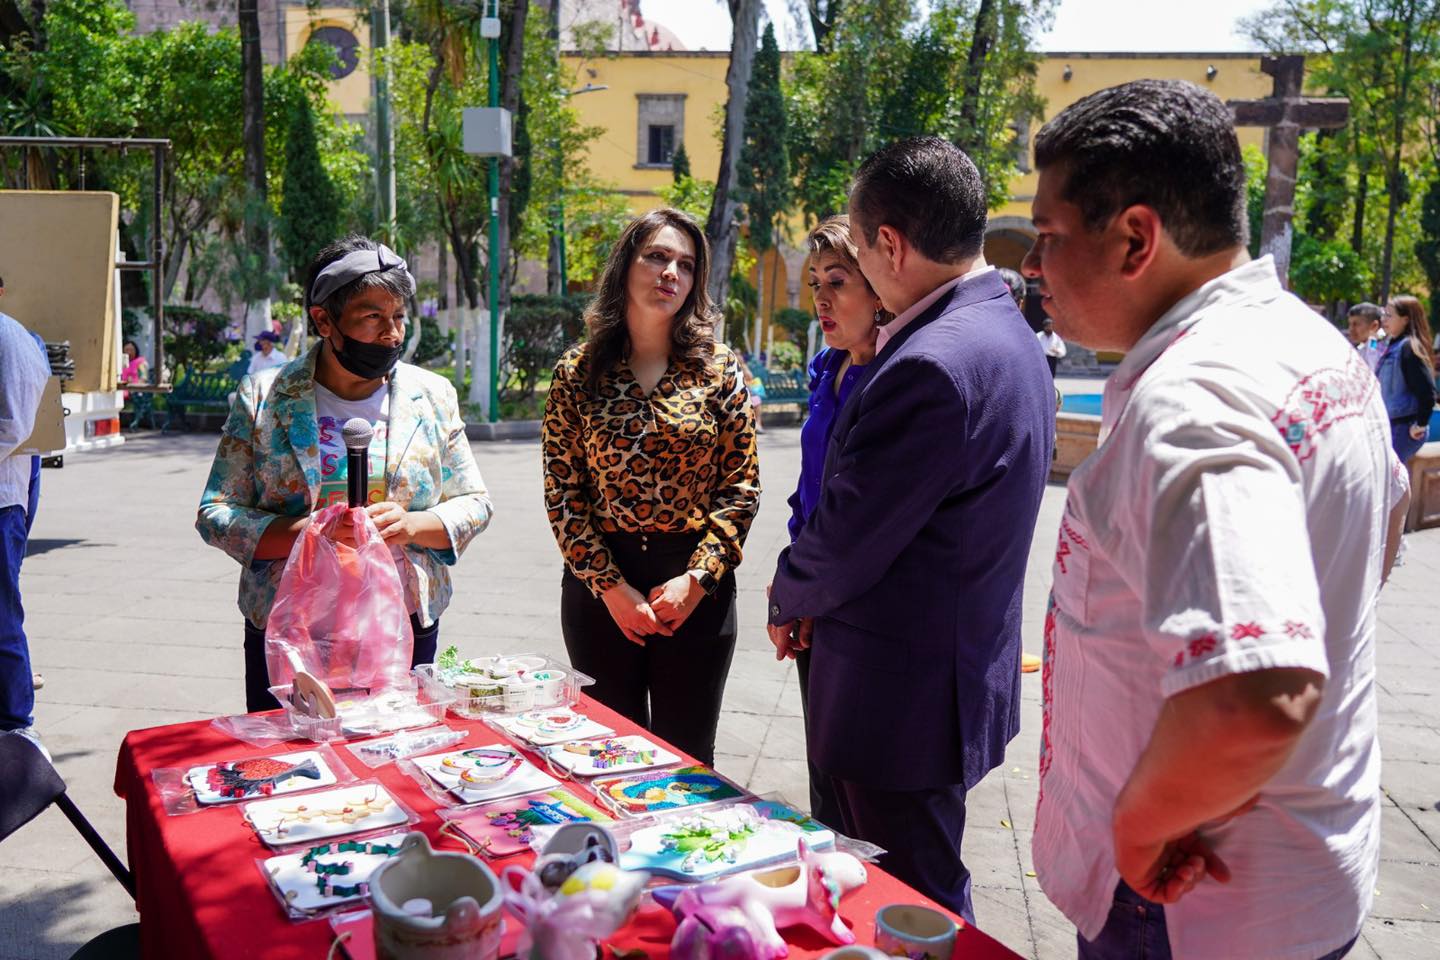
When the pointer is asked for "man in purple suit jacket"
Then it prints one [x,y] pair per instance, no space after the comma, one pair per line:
[906,582]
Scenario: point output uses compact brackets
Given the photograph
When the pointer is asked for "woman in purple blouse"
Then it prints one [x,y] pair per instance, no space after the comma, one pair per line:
[850,318]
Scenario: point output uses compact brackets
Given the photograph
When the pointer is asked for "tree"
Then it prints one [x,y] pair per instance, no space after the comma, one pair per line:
[722,228]
[680,164]
[886,69]
[1427,248]
[257,216]
[1385,56]
[310,213]
[764,170]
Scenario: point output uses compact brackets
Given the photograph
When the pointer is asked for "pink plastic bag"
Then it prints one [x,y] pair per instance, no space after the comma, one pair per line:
[339,611]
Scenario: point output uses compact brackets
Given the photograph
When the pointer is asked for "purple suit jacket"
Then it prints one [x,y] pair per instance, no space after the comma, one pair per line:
[913,564]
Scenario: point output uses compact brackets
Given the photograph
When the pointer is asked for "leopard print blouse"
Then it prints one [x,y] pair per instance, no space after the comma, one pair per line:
[681,460]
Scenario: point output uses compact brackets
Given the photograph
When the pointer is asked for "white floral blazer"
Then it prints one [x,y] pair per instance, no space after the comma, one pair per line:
[268,465]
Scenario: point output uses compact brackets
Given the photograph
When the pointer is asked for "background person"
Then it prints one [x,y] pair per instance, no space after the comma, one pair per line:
[651,483]
[1209,772]
[1363,323]
[912,565]
[1051,343]
[24,371]
[137,368]
[281,456]
[1407,376]
[850,317]
[267,352]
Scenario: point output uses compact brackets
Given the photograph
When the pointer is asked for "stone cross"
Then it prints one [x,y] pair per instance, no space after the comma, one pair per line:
[1285,112]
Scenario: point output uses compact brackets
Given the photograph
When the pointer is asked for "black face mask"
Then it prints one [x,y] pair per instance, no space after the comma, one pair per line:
[368,361]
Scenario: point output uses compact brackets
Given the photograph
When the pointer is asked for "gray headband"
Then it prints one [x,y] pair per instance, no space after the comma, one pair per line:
[352,267]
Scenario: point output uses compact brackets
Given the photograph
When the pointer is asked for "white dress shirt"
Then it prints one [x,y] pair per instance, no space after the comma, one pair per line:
[24,371]
[1232,519]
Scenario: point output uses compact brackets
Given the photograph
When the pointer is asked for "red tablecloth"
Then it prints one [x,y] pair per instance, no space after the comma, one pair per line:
[201,895]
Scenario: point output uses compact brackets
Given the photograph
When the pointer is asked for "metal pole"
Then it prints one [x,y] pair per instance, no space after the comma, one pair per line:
[384,132]
[157,257]
[495,240]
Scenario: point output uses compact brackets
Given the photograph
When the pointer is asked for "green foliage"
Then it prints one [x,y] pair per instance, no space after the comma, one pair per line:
[786,356]
[764,169]
[310,215]
[680,163]
[794,321]
[194,339]
[691,195]
[537,330]
[886,71]
[1384,55]
[741,301]
[1256,167]
[433,344]
[1328,271]
[1427,247]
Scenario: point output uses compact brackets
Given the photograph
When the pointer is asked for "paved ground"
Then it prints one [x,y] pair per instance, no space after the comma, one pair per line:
[133,623]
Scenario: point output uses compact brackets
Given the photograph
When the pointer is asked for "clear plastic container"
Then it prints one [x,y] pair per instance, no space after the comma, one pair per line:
[419,706]
[510,684]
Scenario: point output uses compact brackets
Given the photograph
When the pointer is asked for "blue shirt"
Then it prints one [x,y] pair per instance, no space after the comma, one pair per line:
[815,434]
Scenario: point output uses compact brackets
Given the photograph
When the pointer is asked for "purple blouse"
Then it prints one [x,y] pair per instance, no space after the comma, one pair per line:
[815,434]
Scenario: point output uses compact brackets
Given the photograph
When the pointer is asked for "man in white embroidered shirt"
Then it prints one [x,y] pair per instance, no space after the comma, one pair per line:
[1209,673]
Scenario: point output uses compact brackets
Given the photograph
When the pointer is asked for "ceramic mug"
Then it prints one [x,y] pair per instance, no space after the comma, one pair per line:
[855,952]
[435,906]
[918,933]
[549,687]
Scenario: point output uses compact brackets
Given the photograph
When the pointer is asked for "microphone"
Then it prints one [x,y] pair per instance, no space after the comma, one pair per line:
[357,433]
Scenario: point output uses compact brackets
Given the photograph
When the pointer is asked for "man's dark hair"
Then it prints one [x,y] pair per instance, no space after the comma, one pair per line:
[1369,311]
[928,190]
[1167,144]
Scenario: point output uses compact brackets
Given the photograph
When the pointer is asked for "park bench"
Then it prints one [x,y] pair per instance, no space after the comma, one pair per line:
[786,387]
[206,391]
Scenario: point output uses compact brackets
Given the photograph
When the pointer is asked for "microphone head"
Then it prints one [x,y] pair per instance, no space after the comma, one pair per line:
[357,433]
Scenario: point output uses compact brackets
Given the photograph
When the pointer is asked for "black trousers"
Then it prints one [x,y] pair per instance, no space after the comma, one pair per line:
[921,830]
[257,674]
[672,686]
[824,804]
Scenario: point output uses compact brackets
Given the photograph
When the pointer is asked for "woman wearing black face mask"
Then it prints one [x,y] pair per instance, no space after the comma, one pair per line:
[282,456]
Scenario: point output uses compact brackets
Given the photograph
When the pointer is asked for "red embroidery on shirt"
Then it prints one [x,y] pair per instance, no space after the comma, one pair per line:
[1321,400]
[1242,631]
[1203,644]
[1293,628]
[1061,552]
[1179,658]
[1069,531]
[1047,677]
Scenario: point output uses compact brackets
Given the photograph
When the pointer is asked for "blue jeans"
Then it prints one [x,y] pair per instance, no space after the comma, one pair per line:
[17,683]
[1136,931]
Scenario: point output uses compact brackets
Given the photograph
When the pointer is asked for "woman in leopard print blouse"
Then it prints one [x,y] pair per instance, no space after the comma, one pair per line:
[651,482]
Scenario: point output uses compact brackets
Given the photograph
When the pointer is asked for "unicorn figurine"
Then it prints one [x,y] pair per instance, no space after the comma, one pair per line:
[738,918]
[575,897]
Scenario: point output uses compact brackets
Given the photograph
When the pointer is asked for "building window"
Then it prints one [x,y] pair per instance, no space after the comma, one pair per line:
[660,128]
[662,144]
[346,47]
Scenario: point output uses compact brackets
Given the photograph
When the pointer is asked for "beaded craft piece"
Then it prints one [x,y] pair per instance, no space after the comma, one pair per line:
[233,780]
[589,758]
[711,843]
[543,728]
[502,828]
[485,773]
[665,790]
[330,813]
[329,874]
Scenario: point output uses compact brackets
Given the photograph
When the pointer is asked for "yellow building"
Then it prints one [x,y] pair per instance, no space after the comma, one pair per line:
[653,102]
[347,31]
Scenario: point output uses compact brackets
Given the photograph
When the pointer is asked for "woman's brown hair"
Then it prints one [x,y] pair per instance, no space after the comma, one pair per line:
[692,333]
[832,235]
[1417,328]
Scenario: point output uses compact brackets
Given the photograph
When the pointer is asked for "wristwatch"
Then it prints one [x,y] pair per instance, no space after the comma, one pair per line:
[706,579]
